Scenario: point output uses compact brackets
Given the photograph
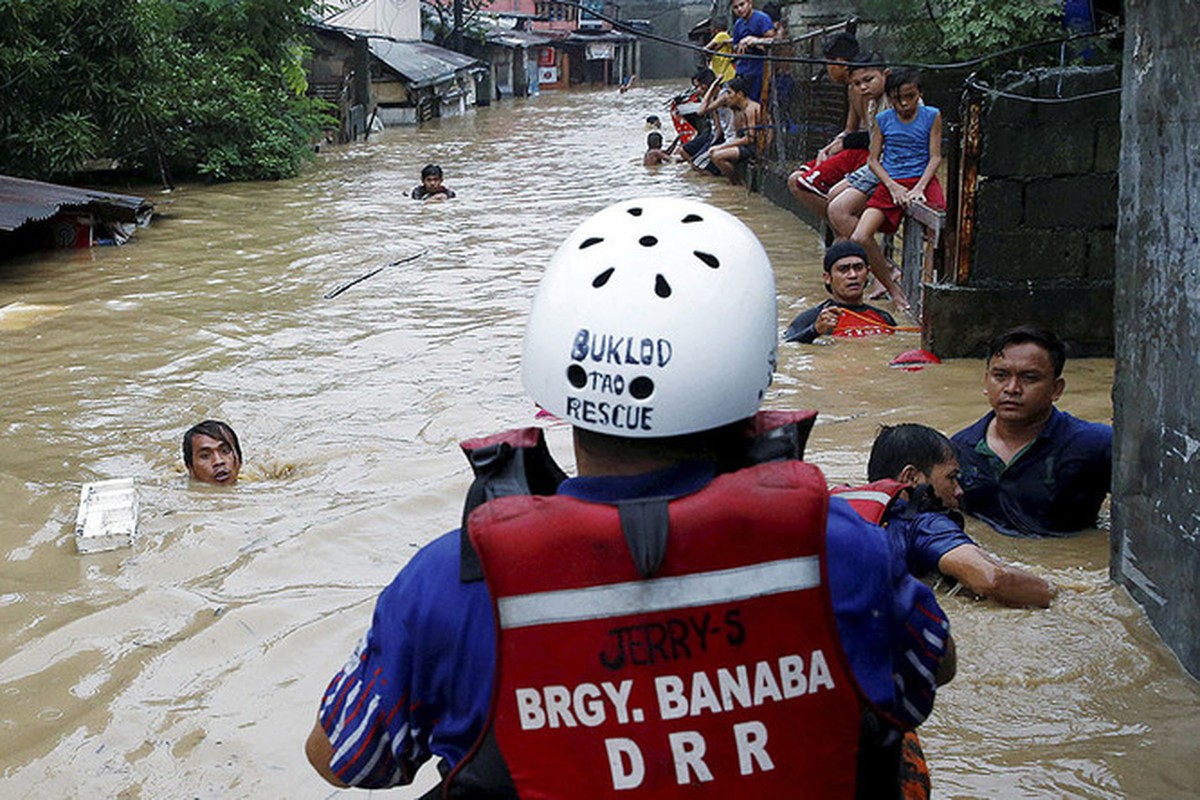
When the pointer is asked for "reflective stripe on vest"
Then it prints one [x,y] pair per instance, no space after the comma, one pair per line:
[720,676]
[872,500]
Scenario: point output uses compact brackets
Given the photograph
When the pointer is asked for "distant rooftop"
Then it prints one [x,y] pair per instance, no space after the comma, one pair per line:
[23,201]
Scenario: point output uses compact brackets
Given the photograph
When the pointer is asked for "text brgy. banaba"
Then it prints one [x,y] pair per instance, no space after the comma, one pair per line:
[744,686]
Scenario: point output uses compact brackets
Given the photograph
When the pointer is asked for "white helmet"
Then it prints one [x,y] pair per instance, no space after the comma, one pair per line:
[656,317]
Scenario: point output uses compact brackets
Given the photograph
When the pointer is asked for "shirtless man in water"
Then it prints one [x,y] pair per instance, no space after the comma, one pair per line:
[747,121]
[211,453]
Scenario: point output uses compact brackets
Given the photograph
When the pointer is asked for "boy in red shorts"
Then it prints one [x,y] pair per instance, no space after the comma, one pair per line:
[909,137]
[840,50]
[816,183]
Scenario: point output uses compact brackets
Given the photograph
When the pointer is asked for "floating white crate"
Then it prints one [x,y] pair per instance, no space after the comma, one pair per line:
[107,519]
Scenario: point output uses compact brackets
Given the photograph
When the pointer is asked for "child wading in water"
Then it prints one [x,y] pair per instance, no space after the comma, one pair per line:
[655,154]
[909,137]
[431,189]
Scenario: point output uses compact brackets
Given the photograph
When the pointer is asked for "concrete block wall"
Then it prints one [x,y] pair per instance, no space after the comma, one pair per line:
[1045,217]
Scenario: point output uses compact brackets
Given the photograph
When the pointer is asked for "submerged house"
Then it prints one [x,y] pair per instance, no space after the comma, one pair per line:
[370,61]
[515,53]
[36,215]
[583,48]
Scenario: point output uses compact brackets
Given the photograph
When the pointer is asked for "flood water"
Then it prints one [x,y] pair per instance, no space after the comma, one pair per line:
[190,665]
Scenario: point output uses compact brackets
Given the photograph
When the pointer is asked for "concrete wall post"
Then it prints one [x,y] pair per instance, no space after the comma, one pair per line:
[1156,392]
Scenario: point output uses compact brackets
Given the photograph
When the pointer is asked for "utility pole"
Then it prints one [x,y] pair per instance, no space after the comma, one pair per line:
[456,38]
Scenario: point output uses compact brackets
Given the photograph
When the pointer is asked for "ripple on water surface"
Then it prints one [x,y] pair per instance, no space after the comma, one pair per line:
[197,657]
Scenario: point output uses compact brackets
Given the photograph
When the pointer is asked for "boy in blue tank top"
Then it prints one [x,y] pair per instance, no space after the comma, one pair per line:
[906,151]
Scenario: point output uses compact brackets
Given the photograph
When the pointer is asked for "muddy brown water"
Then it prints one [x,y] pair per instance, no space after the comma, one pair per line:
[190,665]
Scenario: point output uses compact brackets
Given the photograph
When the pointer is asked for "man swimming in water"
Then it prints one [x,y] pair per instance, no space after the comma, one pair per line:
[843,314]
[211,453]
[926,525]
[431,189]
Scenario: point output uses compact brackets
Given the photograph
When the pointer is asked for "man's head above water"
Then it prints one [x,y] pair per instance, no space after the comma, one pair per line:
[212,453]
[846,272]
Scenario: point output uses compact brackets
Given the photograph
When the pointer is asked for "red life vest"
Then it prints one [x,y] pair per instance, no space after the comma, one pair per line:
[862,323]
[871,500]
[718,675]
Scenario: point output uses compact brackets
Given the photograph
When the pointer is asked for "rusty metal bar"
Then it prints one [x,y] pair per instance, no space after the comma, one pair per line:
[972,140]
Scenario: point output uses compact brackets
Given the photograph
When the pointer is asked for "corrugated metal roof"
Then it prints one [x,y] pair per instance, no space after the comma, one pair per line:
[602,36]
[510,37]
[396,19]
[421,63]
[23,201]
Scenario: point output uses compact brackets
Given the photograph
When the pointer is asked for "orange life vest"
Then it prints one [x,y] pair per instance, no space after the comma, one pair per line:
[855,325]
[871,500]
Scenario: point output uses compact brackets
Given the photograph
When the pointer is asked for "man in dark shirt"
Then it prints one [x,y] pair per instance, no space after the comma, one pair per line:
[926,525]
[844,314]
[1029,469]
[431,189]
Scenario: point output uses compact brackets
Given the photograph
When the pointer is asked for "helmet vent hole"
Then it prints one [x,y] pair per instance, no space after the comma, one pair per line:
[636,211]
[647,241]
[693,218]
[577,375]
[602,278]
[708,258]
[640,388]
[588,242]
[661,287]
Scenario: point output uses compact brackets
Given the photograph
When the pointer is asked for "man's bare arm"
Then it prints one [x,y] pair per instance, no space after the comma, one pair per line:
[989,577]
[320,752]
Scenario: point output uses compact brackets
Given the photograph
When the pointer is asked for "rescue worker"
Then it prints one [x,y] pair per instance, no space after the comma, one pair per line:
[671,621]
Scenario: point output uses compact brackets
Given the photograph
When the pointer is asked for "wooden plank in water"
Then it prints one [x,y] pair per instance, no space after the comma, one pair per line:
[18,316]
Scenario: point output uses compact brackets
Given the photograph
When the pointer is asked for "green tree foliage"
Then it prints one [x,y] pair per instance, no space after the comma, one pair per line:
[953,30]
[438,15]
[211,88]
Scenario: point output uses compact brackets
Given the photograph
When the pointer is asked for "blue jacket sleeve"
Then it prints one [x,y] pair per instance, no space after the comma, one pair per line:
[892,629]
[930,536]
[420,681]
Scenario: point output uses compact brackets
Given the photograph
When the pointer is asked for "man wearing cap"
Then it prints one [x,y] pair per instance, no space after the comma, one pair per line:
[692,612]
[844,313]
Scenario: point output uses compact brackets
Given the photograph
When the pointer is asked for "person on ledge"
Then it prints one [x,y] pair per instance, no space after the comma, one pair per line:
[1027,468]
[844,313]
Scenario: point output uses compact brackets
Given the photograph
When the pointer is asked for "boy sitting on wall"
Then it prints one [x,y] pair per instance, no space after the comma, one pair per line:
[906,151]
[747,121]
